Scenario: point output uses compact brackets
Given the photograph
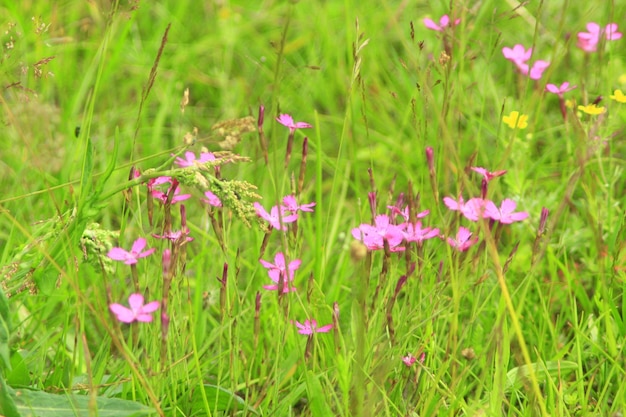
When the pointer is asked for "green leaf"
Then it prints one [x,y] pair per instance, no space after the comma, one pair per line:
[218,399]
[317,397]
[7,406]
[5,330]
[43,404]
[517,377]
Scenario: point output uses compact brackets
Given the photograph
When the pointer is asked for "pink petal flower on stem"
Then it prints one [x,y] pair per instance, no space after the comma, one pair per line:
[212,199]
[190,159]
[463,240]
[274,217]
[415,233]
[454,205]
[130,258]
[477,208]
[409,360]
[506,213]
[518,54]
[444,21]
[560,90]
[536,71]
[138,311]
[279,270]
[287,121]
[290,204]
[374,237]
[310,326]
[588,41]
[488,175]
[175,236]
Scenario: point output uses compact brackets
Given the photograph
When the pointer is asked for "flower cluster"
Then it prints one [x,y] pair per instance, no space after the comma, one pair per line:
[588,41]
[520,57]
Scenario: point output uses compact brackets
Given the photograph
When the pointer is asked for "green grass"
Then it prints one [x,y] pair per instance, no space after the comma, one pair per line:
[523,323]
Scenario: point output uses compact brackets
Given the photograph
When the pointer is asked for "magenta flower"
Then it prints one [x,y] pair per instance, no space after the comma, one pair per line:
[443,23]
[162,196]
[212,199]
[130,258]
[488,175]
[274,218]
[477,208]
[310,326]
[506,213]
[290,204]
[463,240]
[409,360]
[536,71]
[278,270]
[287,121]
[588,41]
[415,233]
[175,236]
[138,311]
[454,205]
[396,211]
[560,90]
[190,159]
[518,54]
[374,237]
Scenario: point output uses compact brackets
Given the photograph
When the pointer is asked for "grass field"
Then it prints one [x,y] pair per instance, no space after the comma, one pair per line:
[331,208]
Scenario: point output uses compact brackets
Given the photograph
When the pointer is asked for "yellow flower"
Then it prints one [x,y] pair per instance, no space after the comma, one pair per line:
[619,96]
[592,109]
[622,79]
[516,120]
[570,103]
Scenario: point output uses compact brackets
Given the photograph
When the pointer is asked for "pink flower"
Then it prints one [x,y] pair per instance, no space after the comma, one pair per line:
[274,218]
[176,236]
[518,54]
[588,41]
[409,359]
[487,174]
[278,270]
[287,121]
[506,213]
[310,326]
[374,237]
[290,204]
[454,205]
[396,211]
[476,208]
[536,71]
[190,159]
[463,240]
[559,91]
[415,233]
[130,258]
[138,311]
[212,199]
[162,196]
[443,23]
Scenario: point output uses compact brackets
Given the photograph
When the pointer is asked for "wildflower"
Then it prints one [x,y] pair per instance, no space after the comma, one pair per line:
[463,240]
[477,208]
[310,326]
[290,204]
[162,196]
[618,96]
[278,271]
[443,23]
[176,236]
[287,121]
[396,211]
[212,199]
[516,120]
[454,205]
[588,41]
[409,359]
[506,213]
[374,237]
[138,311]
[487,174]
[273,217]
[562,89]
[190,159]
[415,233]
[592,109]
[130,258]
[518,54]
[536,71]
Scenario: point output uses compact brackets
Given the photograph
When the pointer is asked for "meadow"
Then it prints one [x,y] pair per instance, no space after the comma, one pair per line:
[333,208]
